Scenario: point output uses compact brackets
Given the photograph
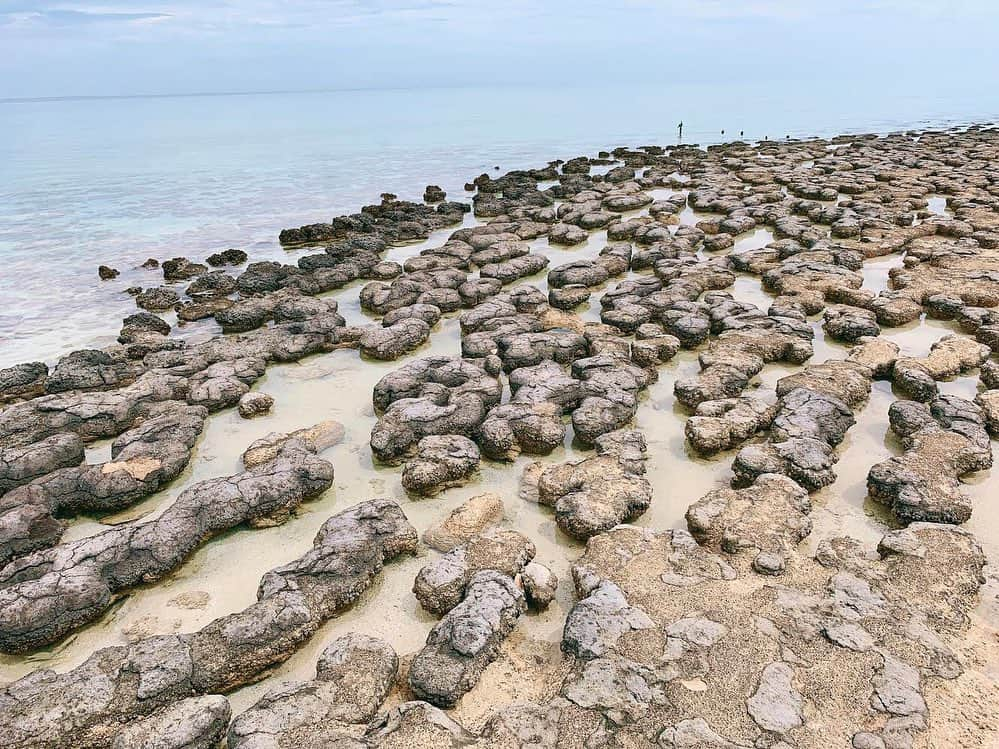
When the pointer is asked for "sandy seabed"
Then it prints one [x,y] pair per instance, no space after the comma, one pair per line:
[748,434]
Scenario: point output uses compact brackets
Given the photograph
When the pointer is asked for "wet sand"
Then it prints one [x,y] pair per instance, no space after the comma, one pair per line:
[223,575]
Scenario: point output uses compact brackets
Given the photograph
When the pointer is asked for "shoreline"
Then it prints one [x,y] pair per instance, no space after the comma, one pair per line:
[738,309]
[132,243]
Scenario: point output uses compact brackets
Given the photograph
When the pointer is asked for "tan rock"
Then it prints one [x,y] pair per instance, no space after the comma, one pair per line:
[468,519]
[318,437]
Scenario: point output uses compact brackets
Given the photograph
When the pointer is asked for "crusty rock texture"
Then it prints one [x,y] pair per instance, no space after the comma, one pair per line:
[814,411]
[469,519]
[595,494]
[949,356]
[121,684]
[441,585]
[144,459]
[723,424]
[466,639]
[353,676]
[49,593]
[943,441]
[441,461]
[194,723]
[758,626]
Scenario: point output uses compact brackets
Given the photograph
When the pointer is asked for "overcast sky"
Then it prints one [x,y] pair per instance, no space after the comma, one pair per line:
[122,47]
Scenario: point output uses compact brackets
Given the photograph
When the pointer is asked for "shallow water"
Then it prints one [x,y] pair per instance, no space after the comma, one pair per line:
[222,576]
[115,181]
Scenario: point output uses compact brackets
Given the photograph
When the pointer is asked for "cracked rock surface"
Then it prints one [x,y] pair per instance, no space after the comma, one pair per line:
[122,684]
[575,315]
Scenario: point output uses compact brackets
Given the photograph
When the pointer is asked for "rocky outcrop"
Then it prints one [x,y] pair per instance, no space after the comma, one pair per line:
[21,464]
[119,685]
[144,459]
[949,356]
[466,639]
[747,341]
[943,440]
[813,413]
[764,522]
[432,396]
[441,461]
[194,723]
[723,424]
[22,381]
[470,518]
[597,493]
[49,593]
[440,585]
[353,677]
[733,635]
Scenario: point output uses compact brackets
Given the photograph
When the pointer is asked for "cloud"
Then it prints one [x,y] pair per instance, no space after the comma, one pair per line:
[57,47]
[86,18]
[26,17]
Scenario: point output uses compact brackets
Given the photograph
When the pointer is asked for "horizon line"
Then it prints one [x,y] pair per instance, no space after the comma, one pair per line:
[185,94]
[261,92]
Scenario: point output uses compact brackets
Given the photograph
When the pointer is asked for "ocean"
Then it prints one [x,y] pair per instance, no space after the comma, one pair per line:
[91,181]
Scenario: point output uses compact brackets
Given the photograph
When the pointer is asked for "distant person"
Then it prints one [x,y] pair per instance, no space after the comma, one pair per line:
[680,129]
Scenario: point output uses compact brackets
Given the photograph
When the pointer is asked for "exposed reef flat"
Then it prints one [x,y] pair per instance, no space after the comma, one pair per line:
[511,553]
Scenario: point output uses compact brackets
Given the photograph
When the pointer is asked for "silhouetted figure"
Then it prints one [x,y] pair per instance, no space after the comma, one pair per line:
[741,132]
[680,130]
[723,132]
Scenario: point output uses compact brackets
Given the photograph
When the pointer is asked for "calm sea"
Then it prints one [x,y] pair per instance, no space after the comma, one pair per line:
[113,181]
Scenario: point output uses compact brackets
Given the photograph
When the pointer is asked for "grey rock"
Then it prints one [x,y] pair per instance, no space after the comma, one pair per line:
[391,342]
[119,685]
[440,585]
[599,619]
[157,299]
[765,521]
[195,723]
[413,724]
[441,461]
[353,676]
[49,593]
[22,381]
[723,424]
[807,461]
[593,495]
[776,705]
[467,639]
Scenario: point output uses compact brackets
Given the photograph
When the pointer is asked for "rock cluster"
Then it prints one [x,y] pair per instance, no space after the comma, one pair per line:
[595,494]
[813,413]
[119,685]
[943,440]
[353,677]
[50,592]
[730,634]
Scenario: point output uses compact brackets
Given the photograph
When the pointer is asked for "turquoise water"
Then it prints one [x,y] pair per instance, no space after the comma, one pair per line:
[114,181]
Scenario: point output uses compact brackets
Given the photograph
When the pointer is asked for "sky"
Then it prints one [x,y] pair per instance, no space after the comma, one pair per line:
[125,47]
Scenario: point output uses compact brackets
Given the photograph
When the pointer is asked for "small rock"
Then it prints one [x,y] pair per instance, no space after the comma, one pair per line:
[255,404]
[471,517]
[540,585]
